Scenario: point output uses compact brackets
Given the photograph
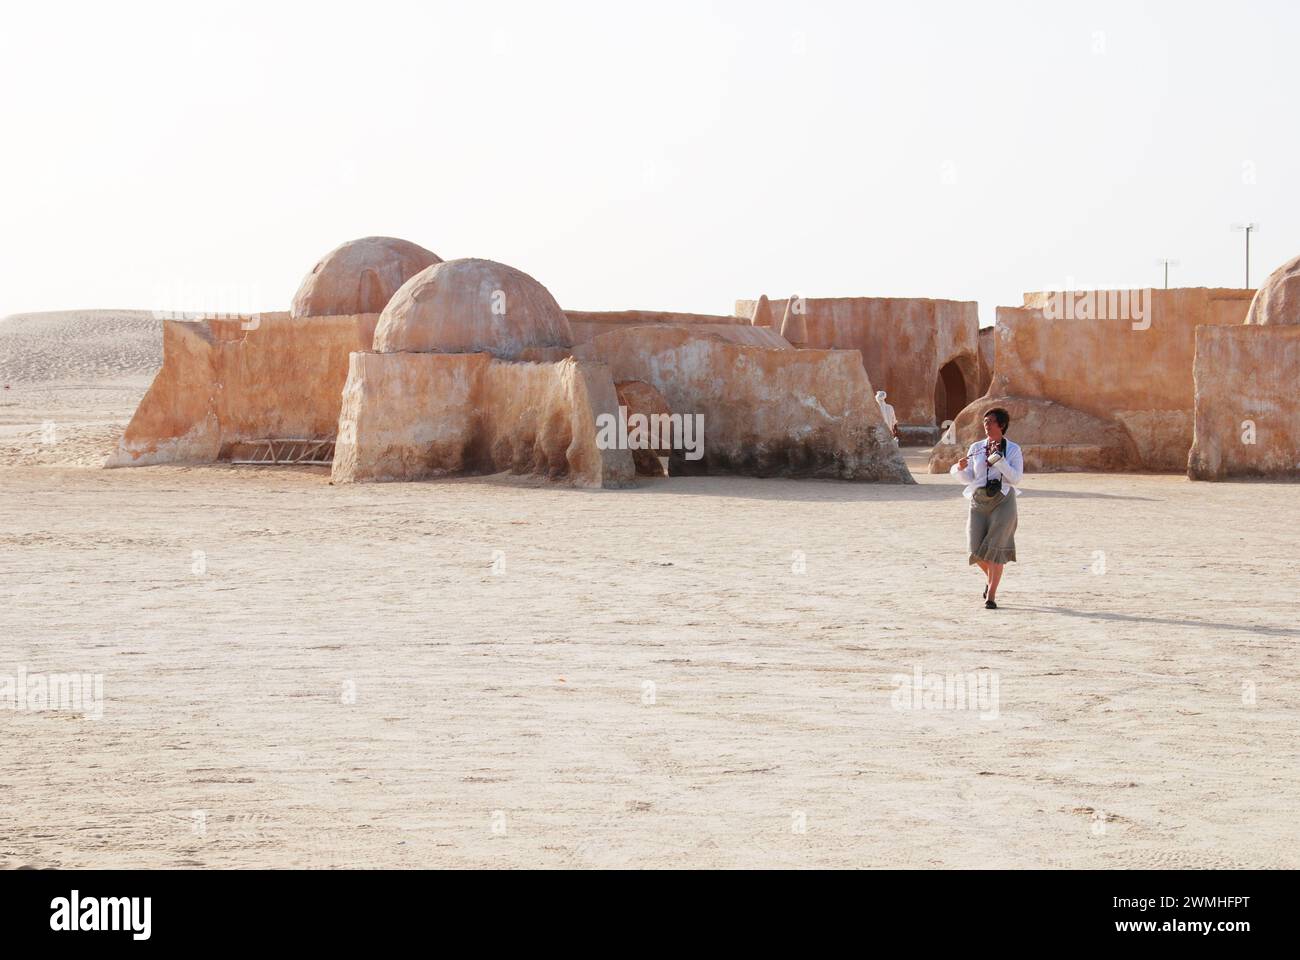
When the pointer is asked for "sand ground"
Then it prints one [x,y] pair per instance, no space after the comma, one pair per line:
[500,672]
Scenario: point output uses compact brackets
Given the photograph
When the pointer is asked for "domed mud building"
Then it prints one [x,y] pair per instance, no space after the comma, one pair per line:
[394,365]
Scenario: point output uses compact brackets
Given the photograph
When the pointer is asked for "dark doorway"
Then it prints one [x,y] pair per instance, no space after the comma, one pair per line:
[949,393]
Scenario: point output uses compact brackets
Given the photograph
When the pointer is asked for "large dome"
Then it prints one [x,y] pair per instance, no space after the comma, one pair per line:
[1278,300]
[471,306]
[359,277]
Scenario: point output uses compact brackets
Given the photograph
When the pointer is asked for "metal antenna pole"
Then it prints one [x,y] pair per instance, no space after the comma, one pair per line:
[1249,228]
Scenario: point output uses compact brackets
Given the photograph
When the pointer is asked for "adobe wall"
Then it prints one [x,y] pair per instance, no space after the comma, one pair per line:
[903,342]
[745,309]
[589,324]
[229,380]
[409,416]
[1247,418]
[800,413]
[987,341]
[1131,369]
[1117,368]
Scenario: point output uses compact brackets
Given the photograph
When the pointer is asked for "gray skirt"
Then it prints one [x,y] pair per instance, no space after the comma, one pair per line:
[991,527]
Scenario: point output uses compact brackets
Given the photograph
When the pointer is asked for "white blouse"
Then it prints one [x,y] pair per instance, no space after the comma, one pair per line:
[1010,469]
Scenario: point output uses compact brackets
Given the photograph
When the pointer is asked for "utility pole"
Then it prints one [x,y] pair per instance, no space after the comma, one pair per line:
[1249,228]
[1166,263]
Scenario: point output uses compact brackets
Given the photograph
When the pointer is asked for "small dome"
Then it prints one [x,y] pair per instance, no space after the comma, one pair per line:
[1278,300]
[471,306]
[359,277]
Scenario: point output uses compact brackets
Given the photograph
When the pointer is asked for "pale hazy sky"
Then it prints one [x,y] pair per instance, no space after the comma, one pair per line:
[657,156]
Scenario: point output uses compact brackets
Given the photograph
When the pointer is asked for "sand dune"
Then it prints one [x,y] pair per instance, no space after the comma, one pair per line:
[79,345]
[70,380]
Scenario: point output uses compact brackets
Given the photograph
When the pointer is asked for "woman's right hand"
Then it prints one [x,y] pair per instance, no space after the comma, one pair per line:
[963,463]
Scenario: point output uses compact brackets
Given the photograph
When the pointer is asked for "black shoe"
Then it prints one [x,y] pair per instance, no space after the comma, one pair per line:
[990,605]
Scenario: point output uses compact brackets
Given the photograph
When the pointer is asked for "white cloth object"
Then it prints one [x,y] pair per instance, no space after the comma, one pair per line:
[1010,469]
[886,411]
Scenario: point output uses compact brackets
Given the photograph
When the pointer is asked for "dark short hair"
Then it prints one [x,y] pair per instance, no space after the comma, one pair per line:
[1001,416]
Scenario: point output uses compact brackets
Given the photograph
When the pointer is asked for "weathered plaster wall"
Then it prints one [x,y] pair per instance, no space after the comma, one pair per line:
[1127,370]
[587,325]
[766,412]
[988,353]
[408,416]
[224,381]
[1247,403]
[903,342]
[642,399]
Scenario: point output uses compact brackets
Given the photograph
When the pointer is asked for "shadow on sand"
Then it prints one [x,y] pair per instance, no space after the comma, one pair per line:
[1165,621]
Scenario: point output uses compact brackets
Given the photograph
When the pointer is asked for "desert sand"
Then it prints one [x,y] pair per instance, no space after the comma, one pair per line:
[698,672]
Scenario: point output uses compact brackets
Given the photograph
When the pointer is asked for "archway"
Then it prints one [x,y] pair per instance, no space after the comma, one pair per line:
[949,393]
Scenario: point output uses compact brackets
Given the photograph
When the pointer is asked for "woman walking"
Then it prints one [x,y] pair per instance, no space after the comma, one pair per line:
[991,470]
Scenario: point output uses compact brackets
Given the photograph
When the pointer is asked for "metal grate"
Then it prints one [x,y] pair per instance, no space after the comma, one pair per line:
[283,451]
